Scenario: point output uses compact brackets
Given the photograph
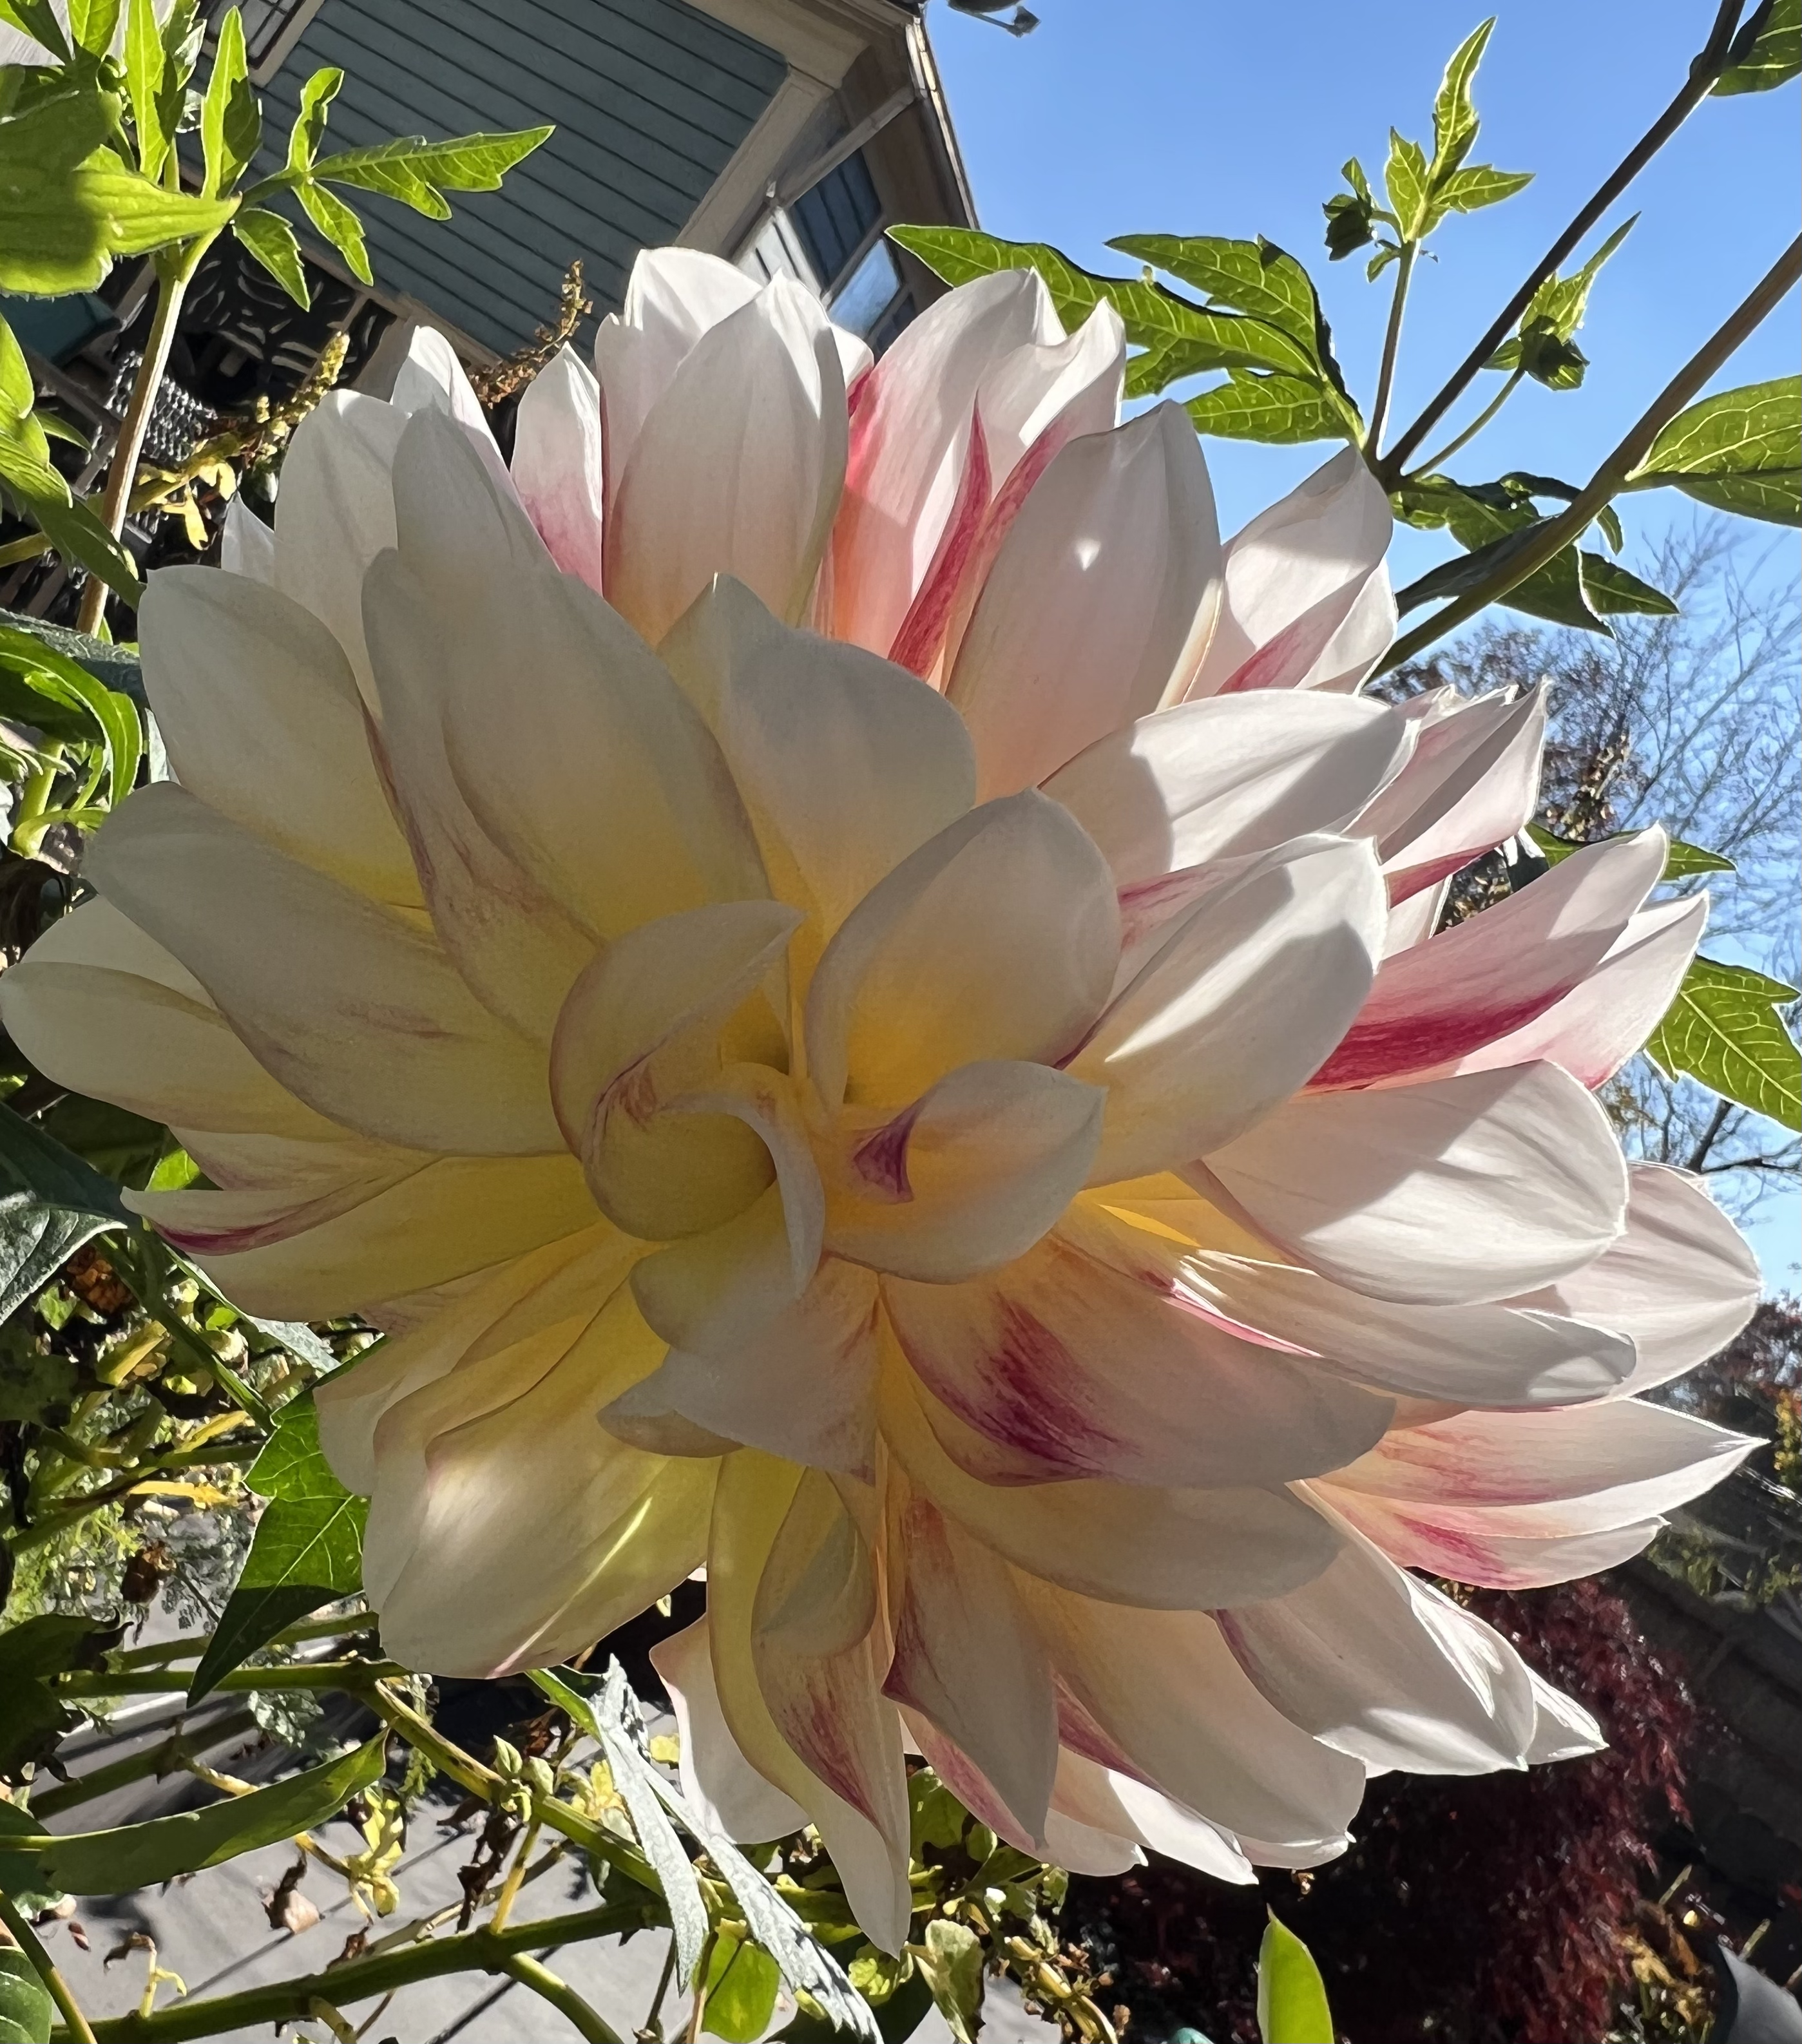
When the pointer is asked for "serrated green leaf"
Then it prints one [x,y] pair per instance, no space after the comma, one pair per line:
[307,1553]
[339,226]
[417,172]
[1740,451]
[1682,861]
[271,239]
[1764,55]
[230,117]
[1454,117]
[1255,277]
[1723,1030]
[950,1956]
[144,1855]
[1558,305]
[92,23]
[1292,1997]
[1404,179]
[1282,411]
[27,2013]
[143,81]
[1476,186]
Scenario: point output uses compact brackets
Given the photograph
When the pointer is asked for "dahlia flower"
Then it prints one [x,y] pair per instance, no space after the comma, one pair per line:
[860,996]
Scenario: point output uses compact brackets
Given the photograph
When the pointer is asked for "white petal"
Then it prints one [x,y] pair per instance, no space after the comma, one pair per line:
[1244,997]
[1231,776]
[1565,1730]
[1098,605]
[1442,1193]
[246,546]
[261,716]
[557,463]
[1298,567]
[997,940]
[720,1785]
[352,1008]
[738,468]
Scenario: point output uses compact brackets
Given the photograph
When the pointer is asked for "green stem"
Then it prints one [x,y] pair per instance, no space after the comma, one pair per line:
[75,2025]
[1557,533]
[1703,71]
[173,1753]
[353,1676]
[289,1635]
[562,1996]
[1437,461]
[360,1979]
[174,272]
[1392,348]
[27,549]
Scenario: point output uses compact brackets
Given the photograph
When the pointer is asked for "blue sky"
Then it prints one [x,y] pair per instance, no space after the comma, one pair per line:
[1120,117]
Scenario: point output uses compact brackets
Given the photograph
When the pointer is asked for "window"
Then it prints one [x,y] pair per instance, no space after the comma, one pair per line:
[836,219]
[867,297]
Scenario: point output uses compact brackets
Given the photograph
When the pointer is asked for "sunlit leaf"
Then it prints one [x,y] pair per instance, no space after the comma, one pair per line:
[231,122]
[743,1983]
[1279,410]
[1405,177]
[1292,1997]
[1738,450]
[1765,55]
[950,1956]
[1723,1030]
[271,239]
[1682,861]
[339,226]
[316,96]
[1454,117]
[113,716]
[418,172]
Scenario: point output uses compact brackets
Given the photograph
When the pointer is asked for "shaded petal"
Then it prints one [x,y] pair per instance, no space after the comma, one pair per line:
[1099,603]
[1388,1669]
[1164,1690]
[647,1025]
[260,713]
[1231,776]
[750,1505]
[1298,569]
[997,939]
[1473,783]
[737,469]
[246,546]
[1442,1193]
[311,1256]
[909,443]
[431,378]
[1681,1282]
[719,1784]
[1603,1020]
[970,1175]
[350,1006]
[1495,973]
[845,763]
[1102,1802]
[1168,1549]
[1478,1548]
[557,463]
[967,1659]
[1074,1369]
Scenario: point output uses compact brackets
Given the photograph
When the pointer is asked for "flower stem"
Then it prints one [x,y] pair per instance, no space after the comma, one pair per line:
[562,1996]
[351,1676]
[174,272]
[76,2025]
[1435,461]
[1392,347]
[1557,533]
[1703,71]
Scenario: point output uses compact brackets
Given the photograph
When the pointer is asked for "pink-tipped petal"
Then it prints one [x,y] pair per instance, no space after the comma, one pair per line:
[557,463]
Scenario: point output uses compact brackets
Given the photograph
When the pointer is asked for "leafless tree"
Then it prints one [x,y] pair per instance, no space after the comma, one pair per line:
[1690,721]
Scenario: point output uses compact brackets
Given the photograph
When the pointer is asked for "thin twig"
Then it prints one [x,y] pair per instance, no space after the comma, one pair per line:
[1435,462]
[1550,538]
[1717,1121]
[1703,74]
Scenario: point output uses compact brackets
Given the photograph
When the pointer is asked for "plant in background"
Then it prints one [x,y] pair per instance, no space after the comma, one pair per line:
[94,166]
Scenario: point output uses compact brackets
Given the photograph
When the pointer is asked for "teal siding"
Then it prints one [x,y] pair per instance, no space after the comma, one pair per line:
[651,100]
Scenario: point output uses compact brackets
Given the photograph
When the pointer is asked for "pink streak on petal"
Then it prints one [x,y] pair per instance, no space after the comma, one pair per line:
[917,643]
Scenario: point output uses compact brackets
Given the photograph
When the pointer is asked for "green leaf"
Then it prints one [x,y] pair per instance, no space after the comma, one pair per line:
[743,1982]
[143,81]
[1473,187]
[37,19]
[231,122]
[1612,588]
[1255,277]
[1765,53]
[1351,225]
[1723,1030]
[339,226]
[1279,410]
[144,1855]
[92,23]
[271,239]
[116,666]
[76,533]
[1454,117]
[1292,1997]
[1739,451]
[1683,862]
[114,716]
[950,1958]
[51,1204]
[68,204]
[27,2013]
[1404,177]
[418,172]
[308,1550]
[309,129]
